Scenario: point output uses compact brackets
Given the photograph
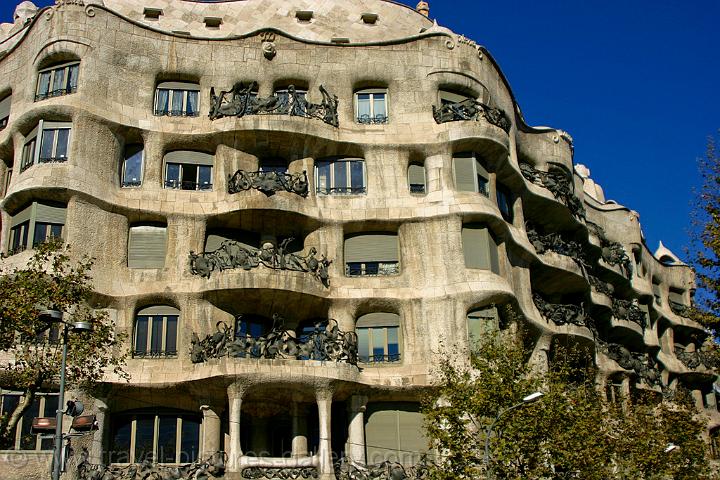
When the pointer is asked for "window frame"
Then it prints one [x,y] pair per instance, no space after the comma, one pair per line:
[483,316]
[6,181]
[5,105]
[23,425]
[485,174]
[150,332]
[196,159]
[379,330]
[372,268]
[347,188]
[123,181]
[373,118]
[505,202]
[176,88]
[33,144]
[25,227]
[67,87]
[410,184]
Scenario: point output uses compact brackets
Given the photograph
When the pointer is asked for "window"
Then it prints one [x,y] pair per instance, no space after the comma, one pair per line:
[132,166]
[371,106]
[372,254]
[157,436]
[177,99]
[44,405]
[416,178]
[54,142]
[156,332]
[277,165]
[378,337]
[57,80]
[340,176]
[35,224]
[470,174]
[394,432]
[715,443]
[188,170]
[146,246]
[480,248]
[5,111]
[505,202]
[447,98]
[292,100]
[481,324]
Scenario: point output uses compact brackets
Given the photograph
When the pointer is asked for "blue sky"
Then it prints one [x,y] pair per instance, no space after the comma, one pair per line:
[634,82]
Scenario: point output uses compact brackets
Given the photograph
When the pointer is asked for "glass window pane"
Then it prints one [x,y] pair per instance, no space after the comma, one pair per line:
[363,344]
[144,433]
[372,268]
[40,234]
[189,177]
[393,344]
[171,335]
[161,107]
[56,230]
[323,177]
[133,168]
[379,343]
[205,177]
[46,144]
[120,441]
[356,174]
[51,406]
[9,402]
[256,329]
[141,334]
[62,143]
[192,103]
[363,101]
[172,178]
[73,74]
[340,171]
[58,80]
[190,440]
[27,439]
[44,83]
[167,437]
[379,104]
[156,335]
[177,101]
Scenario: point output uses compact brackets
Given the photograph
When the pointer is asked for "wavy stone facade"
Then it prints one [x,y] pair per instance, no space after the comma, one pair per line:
[231,214]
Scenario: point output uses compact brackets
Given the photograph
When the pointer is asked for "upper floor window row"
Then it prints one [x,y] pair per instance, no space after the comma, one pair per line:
[57,80]
[46,143]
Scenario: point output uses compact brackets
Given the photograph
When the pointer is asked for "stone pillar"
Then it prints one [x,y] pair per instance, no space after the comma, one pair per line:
[324,404]
[96,450]
[235,395]
[299,426]
[356,429]
[211,431]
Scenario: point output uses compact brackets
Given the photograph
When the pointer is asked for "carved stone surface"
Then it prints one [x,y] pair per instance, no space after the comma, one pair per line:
[560,313]
[560,184]
[233,254]
[326,342]
[555,243]
[214,467]
[279,473]
[471,109]
[642,364]
[612,252]
[269,182]
[345,470]
[600,286]
[241,101]
[629,310]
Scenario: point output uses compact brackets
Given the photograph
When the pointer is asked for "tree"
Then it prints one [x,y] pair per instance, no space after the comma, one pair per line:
[572,432]
[51,279]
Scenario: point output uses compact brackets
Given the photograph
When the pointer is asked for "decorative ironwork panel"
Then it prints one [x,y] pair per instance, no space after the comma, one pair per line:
[629,310]
[600,286]
[560,313]
[559,183]
[214,467]
[242,100]
[470,109]
[612,252]
[326,343]
[349,470]
[269,182]
[693,360]
[233,255]
[680,309]
[555,243]
[279,473]
[372,119]
[644,366]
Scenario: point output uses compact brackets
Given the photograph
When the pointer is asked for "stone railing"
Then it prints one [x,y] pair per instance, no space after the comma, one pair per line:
[559,183]
[629,310]
[560,313]
[242,100]
[214,467]
[642,364]
[470,109]
[232,255]
[279,473]
[326,343]
[269,183]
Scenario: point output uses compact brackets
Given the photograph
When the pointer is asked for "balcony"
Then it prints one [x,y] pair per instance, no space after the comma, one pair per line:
[59,92]
[470,109]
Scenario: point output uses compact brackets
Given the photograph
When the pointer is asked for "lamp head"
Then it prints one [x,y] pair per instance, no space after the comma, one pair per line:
[533,397]
[50,316]
[671,447]
[82,327]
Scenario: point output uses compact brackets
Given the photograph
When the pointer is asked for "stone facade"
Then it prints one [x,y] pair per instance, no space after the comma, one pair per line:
[580,271]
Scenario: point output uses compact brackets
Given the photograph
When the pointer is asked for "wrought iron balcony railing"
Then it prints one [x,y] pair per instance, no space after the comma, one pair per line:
[269,182]
[372,119]
[52,159]
[342,190]
[470,109]
[163,112]
[55,93]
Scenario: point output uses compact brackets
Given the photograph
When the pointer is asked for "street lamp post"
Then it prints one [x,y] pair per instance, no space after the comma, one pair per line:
[55,316]
[486,457]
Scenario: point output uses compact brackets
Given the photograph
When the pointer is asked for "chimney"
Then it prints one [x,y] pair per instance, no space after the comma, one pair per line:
[423,8]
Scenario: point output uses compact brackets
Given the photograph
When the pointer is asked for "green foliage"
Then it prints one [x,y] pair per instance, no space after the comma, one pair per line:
[572,432]
[51,279]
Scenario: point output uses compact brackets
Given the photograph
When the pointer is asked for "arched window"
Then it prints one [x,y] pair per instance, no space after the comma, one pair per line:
[378,337]
[155,332]
[416,178]
[57,80]
[132,167]
[156,435]
[177,99]
[371,106]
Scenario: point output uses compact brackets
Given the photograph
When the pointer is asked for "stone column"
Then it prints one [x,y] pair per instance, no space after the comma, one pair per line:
[96,450]
[235,395]
[324,404]
[211,431]
[356,429]
[299,426]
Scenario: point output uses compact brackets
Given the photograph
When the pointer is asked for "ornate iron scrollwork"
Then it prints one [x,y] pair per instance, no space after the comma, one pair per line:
[279,473]
[600,286]
[349,470]
[629,310]
[680,309]
[612,252]
[555,243]
[560,184]
[560,313]
[326,343]
[644,366]
[233,254]
[470,109]
[241,100]
[693,360]
[269,182]
[214,467]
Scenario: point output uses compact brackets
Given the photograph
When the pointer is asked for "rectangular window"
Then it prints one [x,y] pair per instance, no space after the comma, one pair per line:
[189,170]
[5,111]
[8,179]
[479,248]
[372,254]
[35,224]
[371,106]
[146,246]
[155,335]
[378,337]
[54,138]
[57,80]
[470,174]
[340,177]
[505,203]
[177,99]
[416,178]
[131,175]
[44,405]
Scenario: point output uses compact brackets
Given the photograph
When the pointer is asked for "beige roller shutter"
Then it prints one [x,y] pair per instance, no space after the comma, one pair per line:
[416,175]
[379,319]
[475,247]
[249,240]
[146,247]
[50,214]
[394,432]
[413,441]
[482,323]
[5,106]
[22,216]
[159,310]
[189,157]
[374,247]
[179,86]
[463,166]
